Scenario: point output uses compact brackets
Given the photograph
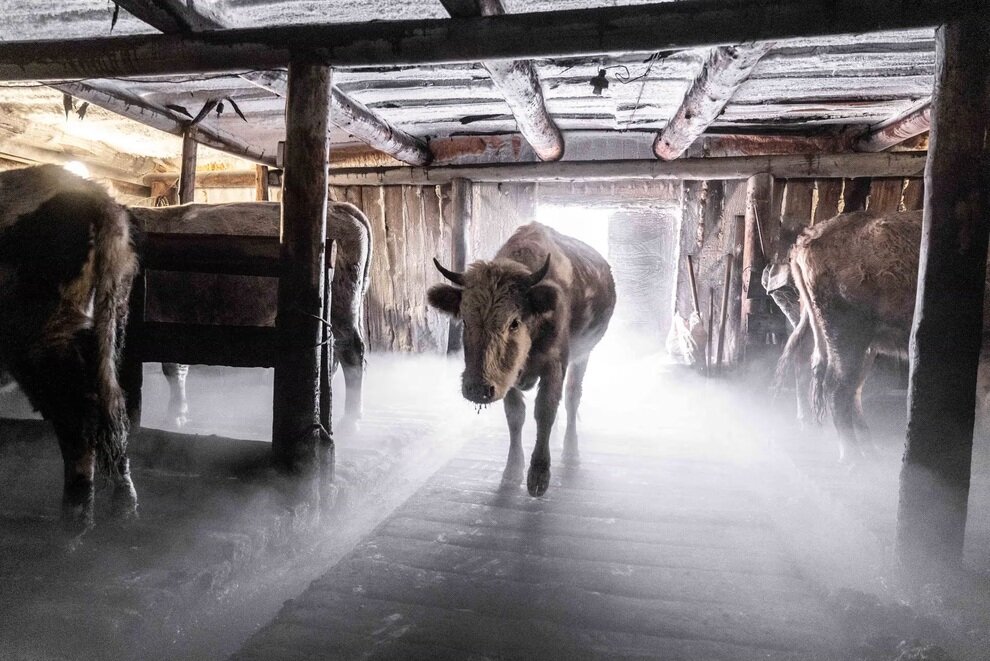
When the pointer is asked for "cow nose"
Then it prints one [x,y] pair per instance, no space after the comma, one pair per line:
[479,392]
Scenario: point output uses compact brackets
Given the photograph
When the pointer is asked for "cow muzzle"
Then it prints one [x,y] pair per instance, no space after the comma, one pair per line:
[478,392]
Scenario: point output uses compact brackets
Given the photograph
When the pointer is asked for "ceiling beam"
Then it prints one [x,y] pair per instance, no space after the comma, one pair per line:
[177,17]
[578,32]
[133,107]
[905,125]
[519,84]
[798,166]
[725,69]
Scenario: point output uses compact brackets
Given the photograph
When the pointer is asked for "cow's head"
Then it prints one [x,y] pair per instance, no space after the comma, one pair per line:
[501,304]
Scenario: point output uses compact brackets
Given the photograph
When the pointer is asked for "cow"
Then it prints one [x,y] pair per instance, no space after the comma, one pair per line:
[67,261]
[531,314]
[251,301]
[856,275]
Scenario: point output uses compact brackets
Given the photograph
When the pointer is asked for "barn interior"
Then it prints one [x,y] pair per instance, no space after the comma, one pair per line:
[690,143]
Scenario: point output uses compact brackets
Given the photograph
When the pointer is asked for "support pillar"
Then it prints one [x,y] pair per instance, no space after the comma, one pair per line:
[187,171]
[297,434]
[261,183]
[948,319]
[759,193]
[460,206]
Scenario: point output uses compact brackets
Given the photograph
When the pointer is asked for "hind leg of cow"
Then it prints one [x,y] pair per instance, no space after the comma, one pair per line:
[178,405]
[349,351]
[123,501]
[515,416]
[572,400]
[845,374]
[859,419]
[79,469]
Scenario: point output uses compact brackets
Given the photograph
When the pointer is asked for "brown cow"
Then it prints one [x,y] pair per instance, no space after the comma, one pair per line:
[67,262]
[857,275]
[250,301]
[530,314]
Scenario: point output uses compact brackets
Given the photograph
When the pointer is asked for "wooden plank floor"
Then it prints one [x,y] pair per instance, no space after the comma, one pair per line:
[632,555]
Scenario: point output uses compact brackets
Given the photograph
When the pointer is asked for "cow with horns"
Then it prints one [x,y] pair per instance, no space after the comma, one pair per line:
[531,314]
[67,262]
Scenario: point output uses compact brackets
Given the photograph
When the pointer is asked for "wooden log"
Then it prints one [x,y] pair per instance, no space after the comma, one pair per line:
[118,100]
[690,222]
[808,166]
[855,193]
[232,346]
[296,429]
[947,332]
[519,84]
[187,169]
[735,338]
[720,146]
[725,69]
[261,183]
[723,312]
[759,190]
[913,121]
[460,211]
[694,286]
[579,32]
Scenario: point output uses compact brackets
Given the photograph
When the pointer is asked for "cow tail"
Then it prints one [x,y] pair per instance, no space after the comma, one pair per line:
[114,267]
[785,364]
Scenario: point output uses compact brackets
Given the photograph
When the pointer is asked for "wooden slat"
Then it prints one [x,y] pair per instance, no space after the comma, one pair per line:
[828,196]
[233,346]
[211,253]
[885,195]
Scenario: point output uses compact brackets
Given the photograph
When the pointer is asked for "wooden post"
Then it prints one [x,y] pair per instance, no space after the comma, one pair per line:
[187,171]
[261,183]
[296,429]
[759,190]
[723,312]
[460,208]
[736,291]
[948,318]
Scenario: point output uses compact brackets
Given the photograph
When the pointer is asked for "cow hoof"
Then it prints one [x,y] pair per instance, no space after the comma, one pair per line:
[538,480]
[74,528]
[512,476]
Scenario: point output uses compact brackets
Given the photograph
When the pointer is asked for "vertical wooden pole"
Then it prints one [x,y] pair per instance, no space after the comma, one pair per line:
[948,318]
[460,206]
[261,183]
[723,312]
[736,291]
[187,171]
[759,191]
[296,429]
[691,221]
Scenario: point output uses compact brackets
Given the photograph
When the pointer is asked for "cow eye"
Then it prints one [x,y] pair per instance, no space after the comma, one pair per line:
[514,325]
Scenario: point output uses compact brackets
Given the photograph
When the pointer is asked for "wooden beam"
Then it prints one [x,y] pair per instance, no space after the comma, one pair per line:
[187,169]
[177,17]
[296,430]
[129,105]
[261,183]
[902,126]
[460,210]
[948,318]
[578,32]
[725,69]
[519,84]
[806,166]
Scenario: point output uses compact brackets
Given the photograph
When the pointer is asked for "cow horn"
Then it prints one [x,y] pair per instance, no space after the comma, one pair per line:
[539,274]
[453,276]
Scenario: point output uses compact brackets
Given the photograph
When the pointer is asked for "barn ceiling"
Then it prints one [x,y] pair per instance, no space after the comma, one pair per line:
[833,84]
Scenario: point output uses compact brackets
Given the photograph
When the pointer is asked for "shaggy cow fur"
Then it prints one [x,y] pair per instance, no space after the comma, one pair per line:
[252,301]
[530,314]
[857,276]
[66,266]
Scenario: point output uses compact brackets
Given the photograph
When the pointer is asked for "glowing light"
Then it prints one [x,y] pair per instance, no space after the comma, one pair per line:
[77,168]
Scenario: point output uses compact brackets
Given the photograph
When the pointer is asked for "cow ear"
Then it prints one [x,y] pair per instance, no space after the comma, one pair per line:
[445,298]
[542,298]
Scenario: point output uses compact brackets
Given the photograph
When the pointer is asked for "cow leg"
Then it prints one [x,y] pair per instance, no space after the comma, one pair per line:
[859,419]
[515,416]
[547,401]
[79,467]
[802,382]
[123,502]
[847,363]
[349,351]
[572,399]
[178,406]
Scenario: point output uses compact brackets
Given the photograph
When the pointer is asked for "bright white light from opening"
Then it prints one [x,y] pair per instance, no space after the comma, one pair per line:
[588,225]
[77,168]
